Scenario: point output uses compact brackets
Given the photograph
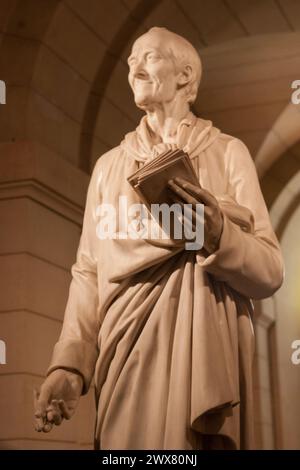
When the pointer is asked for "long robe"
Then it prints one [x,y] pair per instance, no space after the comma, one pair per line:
[167,333]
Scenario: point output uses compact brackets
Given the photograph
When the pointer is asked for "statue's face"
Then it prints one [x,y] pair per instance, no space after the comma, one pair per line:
[152,74]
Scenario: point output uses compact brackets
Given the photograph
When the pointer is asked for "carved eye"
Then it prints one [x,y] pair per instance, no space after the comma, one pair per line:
[152,57]
[131,61]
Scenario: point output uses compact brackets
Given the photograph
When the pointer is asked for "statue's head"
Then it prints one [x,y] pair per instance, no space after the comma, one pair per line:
[163,64]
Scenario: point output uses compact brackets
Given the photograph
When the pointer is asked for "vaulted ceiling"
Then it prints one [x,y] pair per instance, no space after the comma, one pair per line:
[64,62]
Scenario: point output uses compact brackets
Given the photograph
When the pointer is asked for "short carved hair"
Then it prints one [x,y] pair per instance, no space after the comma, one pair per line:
[186,54]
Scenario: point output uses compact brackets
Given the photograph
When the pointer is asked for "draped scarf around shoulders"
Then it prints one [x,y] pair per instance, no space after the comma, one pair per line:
[193,136]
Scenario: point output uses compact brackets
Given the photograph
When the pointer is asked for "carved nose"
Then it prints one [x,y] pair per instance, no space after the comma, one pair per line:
[139,71]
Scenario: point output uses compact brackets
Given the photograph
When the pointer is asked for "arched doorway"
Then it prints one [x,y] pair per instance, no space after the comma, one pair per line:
[278,323]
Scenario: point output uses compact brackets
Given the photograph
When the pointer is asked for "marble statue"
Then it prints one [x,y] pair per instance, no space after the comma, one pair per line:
[167,333]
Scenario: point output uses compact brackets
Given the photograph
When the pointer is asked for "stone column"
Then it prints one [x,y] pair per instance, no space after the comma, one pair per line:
[264,418]
[42,198]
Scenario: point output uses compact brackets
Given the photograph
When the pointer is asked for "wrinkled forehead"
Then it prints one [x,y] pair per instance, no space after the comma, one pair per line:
[158,41]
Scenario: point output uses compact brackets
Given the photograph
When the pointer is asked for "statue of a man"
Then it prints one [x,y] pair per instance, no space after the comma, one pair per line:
[167,334]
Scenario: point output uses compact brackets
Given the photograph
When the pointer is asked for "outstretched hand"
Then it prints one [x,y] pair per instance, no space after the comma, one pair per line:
[183,192]
[57,399]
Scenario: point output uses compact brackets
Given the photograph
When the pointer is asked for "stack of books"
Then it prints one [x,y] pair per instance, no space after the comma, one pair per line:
[151,184]
[150,181]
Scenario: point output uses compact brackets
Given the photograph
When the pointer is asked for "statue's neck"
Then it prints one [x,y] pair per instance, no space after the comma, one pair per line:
[164,118]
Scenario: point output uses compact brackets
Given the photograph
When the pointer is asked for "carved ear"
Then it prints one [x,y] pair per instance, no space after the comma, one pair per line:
[185,75]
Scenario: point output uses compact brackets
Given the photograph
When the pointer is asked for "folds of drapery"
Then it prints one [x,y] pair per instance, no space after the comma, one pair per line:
[169,332]
[199,339]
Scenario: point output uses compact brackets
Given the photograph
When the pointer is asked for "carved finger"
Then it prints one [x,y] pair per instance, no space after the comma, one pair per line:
[201,194]
[191,219]
[179,191]
[47,427]
[43,401]
[56,416]
[40,404]
[39,421]
[64,409]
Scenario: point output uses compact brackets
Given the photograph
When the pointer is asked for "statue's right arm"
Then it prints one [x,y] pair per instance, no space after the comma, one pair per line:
[73,361]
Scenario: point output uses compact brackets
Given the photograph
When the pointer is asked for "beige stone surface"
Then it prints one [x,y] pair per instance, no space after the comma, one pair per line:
[265,405]
[18,389]
[105,128]
[131,4]
[119,92]
[248,94]
[41,203]
[251,50]
[94,15]
[53,127]
[264,373]
[29,19]
[71,43]
[13,122]
[283,135]
[254,139]
[140,29]
[244,119]
[291,9]
[31,228]
[17,59]
[7,8]
[98,149]
[168,14]
[29,339]
[287,330]
[260,17]
[26,160]
[42,444]
[261,70]
[214,21]
[268,437]
[261,343]
[26,280]
[30,116]
[59,83]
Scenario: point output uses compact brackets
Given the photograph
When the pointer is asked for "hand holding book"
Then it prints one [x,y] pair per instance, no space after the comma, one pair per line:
[185,192]
[170,178]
